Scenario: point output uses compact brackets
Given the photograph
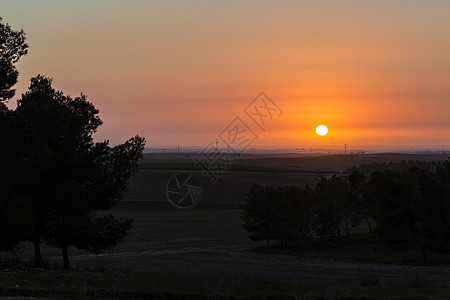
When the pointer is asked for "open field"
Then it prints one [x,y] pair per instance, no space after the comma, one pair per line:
[285,163]
[227,193]
[204,253]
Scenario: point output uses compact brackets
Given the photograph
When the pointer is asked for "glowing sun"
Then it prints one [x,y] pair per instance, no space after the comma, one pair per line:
[321,130]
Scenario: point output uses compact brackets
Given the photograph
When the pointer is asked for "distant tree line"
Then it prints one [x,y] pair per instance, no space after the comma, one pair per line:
[394,165]
[404,208]
[54,179]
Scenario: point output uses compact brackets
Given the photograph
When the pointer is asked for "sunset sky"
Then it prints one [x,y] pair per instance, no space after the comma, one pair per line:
[178,72]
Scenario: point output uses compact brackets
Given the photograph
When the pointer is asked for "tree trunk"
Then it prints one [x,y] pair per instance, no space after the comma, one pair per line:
[37,253]
[346,227]
[422,250]
[65,257]
[368,224]
[267,243]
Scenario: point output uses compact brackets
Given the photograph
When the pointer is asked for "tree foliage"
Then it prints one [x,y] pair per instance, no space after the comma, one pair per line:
[409,209]
[12,211]
[57,178]
[63,176]
[332,208]
[283,214]
[12,48]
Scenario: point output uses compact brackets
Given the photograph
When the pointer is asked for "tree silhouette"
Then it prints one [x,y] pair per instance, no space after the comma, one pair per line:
[12,211]
[67,177]
[412,209]
[12,47]
[357,183]
[333,211]
[282,213]
[297,213]
[258,213]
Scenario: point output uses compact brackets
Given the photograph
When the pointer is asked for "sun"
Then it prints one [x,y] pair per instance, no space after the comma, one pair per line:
[321,130]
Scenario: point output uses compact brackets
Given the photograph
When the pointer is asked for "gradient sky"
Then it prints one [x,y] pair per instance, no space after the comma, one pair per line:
[375,72]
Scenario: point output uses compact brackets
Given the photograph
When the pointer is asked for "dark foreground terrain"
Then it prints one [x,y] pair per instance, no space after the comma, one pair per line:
[205,253]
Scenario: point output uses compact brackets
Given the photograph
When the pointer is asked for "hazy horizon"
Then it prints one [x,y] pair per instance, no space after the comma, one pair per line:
[306,149]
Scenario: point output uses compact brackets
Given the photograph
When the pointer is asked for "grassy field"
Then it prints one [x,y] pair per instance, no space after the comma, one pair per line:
[359,247]
[221,226]
[179,224]
[290,163]
[115,284]
[204,254]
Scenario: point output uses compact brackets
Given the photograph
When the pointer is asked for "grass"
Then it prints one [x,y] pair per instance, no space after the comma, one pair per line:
[111,283]
[114,284]
[174,224]
[358,247]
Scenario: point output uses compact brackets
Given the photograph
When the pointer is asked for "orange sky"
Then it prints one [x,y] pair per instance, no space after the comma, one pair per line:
[375,72]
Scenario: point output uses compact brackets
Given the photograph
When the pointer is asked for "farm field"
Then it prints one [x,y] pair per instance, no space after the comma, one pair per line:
[286,162]
[204,253]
